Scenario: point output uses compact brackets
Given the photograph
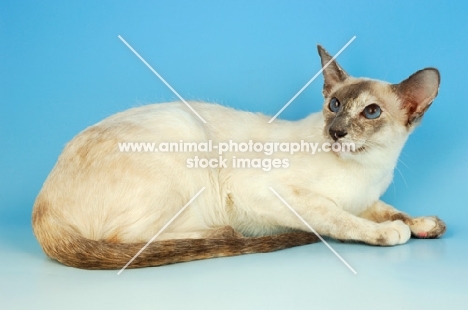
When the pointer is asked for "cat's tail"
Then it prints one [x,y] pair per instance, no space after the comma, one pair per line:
[74,250]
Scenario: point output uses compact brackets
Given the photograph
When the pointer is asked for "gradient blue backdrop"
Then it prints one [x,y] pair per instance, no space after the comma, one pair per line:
[63,68]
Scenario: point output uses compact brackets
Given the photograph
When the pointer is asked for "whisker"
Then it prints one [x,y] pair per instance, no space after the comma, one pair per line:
[394,188]
[401,174]
[404,164]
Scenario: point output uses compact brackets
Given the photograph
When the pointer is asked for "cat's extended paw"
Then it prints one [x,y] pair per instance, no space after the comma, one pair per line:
[427,227]
[393,233]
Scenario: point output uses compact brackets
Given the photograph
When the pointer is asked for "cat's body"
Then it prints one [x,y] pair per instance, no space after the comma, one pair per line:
[99,205]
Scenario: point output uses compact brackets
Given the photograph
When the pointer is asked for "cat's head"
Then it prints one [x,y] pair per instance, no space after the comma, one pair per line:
[374,115]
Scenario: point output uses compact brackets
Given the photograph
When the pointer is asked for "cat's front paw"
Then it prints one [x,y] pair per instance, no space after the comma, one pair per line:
[427,227]
[393,233]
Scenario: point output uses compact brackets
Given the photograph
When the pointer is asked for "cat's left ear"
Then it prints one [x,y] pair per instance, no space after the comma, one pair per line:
[417,93]
[332,73]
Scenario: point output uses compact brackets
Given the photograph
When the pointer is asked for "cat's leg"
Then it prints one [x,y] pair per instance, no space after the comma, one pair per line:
[421,227]
[345,226]
[327,219]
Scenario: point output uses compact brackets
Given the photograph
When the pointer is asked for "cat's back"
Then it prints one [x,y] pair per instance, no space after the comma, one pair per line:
[175,121]
[171,119]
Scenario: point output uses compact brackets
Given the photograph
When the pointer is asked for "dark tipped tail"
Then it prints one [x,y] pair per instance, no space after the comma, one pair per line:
[91,254]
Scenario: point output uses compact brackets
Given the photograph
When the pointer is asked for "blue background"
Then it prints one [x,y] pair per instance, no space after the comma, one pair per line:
[63,68]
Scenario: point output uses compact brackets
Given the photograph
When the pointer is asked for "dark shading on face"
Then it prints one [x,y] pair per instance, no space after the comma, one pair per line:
[348,115]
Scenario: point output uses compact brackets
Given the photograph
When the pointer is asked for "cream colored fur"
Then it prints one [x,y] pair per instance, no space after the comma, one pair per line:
[100,193]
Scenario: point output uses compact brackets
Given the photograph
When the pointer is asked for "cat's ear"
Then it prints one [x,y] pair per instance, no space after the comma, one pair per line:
[417,93]
[332,73]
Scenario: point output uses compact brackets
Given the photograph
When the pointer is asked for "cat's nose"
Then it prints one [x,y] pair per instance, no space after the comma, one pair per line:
[337,133]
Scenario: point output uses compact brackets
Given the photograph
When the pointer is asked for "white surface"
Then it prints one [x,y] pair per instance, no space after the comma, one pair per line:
[423,274]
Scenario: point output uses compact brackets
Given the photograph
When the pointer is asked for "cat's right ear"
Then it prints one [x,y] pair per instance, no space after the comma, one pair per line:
[332,72]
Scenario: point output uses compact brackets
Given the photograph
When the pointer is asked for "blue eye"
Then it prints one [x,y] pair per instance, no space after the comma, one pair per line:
[334,105]
[372,111]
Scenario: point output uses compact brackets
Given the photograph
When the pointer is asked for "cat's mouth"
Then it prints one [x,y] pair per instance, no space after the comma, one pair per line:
[360,149]
[350,148]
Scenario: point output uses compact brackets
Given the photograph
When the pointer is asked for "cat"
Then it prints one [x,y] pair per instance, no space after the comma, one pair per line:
[100,205]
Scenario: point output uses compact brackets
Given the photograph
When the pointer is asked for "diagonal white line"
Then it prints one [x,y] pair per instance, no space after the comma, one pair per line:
[161,78]
[313,230]
[161,230]
[311,80]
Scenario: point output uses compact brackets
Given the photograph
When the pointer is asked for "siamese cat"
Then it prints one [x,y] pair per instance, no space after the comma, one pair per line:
[100,205]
